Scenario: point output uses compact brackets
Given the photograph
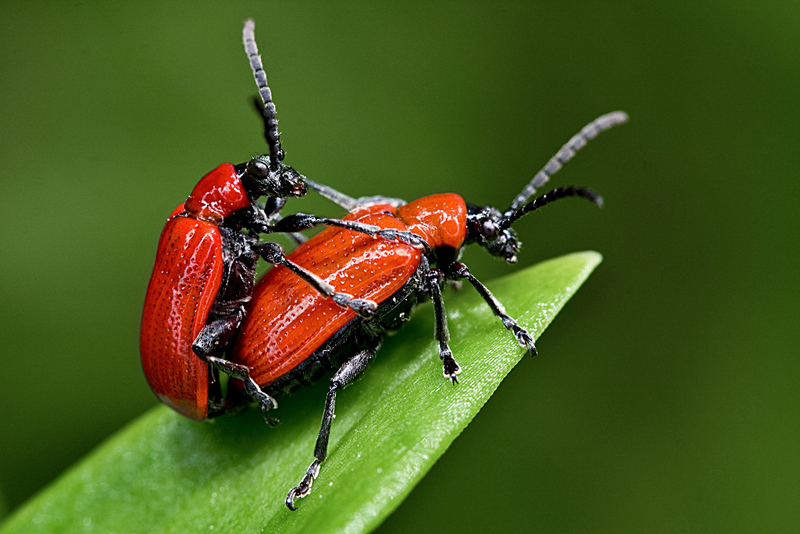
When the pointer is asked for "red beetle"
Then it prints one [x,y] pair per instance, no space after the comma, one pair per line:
[205,269]
[291,336]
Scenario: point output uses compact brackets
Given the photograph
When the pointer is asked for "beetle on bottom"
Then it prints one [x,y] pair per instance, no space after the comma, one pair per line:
[292,336]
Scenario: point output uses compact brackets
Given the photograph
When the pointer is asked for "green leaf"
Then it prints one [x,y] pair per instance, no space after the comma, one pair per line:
[164,473]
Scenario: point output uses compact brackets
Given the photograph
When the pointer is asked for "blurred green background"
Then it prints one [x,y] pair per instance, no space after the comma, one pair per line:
[666,394]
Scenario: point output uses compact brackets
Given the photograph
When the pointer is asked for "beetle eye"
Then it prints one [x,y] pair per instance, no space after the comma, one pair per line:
[257,168]
[488,228]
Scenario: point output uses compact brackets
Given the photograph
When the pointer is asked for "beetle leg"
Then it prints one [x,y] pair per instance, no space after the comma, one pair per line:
[241,372]
[268,213]
[303,221]
[273,253]
[348,373]
[348,202]
[216,333]
[449,365]
[380,199]
[296,237]
[406,237]
[210,338]
[460,271]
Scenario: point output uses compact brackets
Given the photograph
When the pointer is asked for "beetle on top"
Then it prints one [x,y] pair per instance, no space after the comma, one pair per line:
[205,268]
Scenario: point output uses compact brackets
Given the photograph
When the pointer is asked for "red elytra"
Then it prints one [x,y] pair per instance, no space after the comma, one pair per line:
[288,320]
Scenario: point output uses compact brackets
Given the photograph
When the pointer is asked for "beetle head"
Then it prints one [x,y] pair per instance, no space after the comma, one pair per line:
[492,229]
[262,176]
[485,227]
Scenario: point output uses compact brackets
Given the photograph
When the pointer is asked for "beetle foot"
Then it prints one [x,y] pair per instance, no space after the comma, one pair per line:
[304,488]
[271,421]
[363,307]
[524,339]
[266,402]
[449,365]
[259,396]
[405,236]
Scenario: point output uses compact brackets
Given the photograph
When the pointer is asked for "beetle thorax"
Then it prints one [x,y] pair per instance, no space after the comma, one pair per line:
[441,220]
[217,195]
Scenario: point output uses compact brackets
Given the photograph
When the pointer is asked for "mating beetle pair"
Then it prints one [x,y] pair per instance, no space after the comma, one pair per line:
[326,305]
[205,267]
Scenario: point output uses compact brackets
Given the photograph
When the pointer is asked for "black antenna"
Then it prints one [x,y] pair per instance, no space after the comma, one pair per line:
[268,110]
[577,142]
[547,198]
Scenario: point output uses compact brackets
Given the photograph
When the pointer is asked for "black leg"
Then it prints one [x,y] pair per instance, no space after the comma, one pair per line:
[303,221]
[216,333]
[296,237]
[449,365]
[235,370]
[273,253]
[348,202]
[333,195]
[348,373]
[460,271]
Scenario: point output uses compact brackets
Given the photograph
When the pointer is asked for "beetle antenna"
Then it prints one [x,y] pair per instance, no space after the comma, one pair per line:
[267,112]
[547,198]
[577,142]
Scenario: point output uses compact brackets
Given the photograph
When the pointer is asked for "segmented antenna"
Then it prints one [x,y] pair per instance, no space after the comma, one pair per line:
[268,111]
[551,196]
[577,142]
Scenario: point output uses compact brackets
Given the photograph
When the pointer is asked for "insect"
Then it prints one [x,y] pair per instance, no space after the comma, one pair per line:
[205,268]
[291,336]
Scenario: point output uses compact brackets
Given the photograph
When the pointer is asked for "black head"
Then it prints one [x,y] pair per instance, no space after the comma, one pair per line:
[484,226]
[491,229]
[261,176]
[267,174]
